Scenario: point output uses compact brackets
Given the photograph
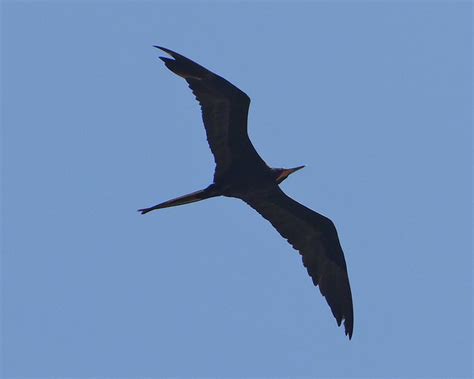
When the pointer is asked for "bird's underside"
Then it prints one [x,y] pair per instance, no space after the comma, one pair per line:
[240,172]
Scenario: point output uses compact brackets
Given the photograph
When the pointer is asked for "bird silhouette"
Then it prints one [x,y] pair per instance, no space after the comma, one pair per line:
[241,173]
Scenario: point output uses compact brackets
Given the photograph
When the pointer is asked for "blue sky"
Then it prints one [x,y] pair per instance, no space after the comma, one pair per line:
[374,97]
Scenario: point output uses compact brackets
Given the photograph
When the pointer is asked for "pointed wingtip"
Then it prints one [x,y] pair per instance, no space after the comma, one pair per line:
[349,334]
[349,328]
[171,53]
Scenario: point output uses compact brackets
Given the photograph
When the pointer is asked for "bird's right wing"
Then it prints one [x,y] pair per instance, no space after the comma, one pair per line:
[315,237]
[224,113]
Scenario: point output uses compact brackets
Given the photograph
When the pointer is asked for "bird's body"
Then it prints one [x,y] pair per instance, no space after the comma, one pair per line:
[242,173]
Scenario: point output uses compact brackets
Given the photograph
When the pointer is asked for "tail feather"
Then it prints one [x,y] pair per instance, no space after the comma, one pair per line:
[186,199]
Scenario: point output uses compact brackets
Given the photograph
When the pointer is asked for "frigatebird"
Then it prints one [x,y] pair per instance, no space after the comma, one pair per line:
[241,173]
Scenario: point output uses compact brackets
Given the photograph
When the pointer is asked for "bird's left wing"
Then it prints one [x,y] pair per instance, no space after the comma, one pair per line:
[315,237]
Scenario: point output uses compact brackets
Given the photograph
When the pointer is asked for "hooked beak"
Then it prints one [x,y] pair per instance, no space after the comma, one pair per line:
[287,172]
[294,169]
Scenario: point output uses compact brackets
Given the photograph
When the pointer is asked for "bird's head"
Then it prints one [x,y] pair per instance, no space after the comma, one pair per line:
[282,173]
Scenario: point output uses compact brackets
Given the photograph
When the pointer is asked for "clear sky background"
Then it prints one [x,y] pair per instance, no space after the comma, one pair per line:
[374,97]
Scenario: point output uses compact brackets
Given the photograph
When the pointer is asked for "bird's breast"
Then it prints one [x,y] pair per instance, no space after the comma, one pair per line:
[239,182]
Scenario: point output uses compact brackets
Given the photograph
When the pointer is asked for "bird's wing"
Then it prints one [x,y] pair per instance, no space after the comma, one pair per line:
[224,113]
[315,237]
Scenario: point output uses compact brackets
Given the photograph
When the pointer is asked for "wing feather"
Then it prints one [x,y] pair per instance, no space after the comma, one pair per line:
[224,112]
[315,237]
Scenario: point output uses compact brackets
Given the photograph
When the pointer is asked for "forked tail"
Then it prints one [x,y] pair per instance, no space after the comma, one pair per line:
[186,199]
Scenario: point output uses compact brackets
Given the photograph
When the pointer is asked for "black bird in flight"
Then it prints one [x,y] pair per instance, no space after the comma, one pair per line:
[240,172]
